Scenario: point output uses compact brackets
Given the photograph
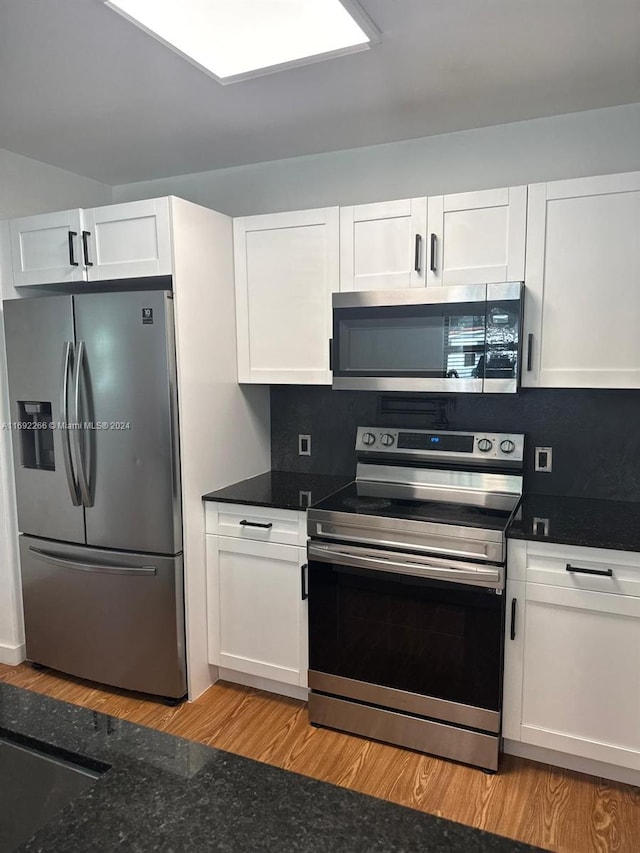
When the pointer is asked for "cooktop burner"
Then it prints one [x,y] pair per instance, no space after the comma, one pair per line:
[350,500]
[365,504]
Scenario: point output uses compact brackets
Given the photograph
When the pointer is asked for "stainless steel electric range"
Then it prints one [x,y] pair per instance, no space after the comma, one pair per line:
[406,581]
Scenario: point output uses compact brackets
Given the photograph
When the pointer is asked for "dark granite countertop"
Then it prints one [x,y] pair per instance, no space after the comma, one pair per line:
[579,521]
[163,793]
[282,489]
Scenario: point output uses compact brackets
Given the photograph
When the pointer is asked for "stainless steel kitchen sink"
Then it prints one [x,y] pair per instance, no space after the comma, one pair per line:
[35,787]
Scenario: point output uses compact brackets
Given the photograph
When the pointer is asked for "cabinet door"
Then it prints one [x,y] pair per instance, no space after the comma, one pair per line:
[477,237]
[257,618]
[581,673]
[128,240]
[382,245]
[286,267]
[582,309]
[46,249]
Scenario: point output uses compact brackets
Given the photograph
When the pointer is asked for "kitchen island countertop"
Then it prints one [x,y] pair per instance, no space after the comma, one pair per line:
[163,793]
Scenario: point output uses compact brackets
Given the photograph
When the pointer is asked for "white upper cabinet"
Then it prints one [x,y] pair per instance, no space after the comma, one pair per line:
[128,240]
[286,267]
[476,237]
[47,248]
[112,242]
[382,246]
[582,310]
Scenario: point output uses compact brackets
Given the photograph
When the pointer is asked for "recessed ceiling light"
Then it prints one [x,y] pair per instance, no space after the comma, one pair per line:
[236,39]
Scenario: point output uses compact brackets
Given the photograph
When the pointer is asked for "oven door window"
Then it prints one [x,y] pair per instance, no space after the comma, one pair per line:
[436,639]
[431,341]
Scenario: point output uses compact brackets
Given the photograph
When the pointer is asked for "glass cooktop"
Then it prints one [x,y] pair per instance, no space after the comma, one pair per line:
[354,499]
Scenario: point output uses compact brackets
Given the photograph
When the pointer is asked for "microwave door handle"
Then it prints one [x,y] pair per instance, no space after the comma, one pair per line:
[66,440]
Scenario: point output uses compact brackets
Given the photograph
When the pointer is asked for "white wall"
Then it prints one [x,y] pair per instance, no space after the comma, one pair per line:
[26,186]
[568,146]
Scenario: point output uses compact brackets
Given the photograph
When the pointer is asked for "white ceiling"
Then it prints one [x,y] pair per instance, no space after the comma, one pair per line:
[83,89]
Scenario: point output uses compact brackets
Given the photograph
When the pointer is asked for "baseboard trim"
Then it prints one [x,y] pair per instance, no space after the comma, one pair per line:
[13,655]
[268,684]
[572,762]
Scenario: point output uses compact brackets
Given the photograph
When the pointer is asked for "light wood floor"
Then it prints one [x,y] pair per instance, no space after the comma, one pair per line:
[552,808]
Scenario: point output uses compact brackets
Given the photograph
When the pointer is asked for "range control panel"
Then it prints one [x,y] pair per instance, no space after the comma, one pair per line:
[474,446]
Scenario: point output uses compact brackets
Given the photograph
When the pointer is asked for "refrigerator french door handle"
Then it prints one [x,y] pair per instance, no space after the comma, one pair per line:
[80,427]
[66,441]
[90,567]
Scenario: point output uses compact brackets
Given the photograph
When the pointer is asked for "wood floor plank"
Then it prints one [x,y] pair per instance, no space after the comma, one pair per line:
[556,809]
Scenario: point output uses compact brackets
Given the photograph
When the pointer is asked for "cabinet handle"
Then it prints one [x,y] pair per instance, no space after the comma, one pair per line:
[605,573]
[303,581]
[416,262]
[72,256]
[245,523]
[85,248]
[529,352]
[433,266]
[330,353]
[514,603]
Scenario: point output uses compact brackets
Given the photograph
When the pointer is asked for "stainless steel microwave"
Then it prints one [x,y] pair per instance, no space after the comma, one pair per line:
[440,339]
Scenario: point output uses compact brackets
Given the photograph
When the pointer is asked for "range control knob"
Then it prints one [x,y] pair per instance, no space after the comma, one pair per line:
[387,439]
[368,438]
[485,445]
[507,446]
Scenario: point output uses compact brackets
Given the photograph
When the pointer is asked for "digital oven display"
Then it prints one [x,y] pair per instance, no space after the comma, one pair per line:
[431,441]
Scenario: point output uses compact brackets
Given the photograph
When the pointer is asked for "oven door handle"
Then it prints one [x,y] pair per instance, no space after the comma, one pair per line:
[478,575]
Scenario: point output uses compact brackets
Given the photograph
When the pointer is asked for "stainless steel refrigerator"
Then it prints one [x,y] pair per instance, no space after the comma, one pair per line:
[92,384]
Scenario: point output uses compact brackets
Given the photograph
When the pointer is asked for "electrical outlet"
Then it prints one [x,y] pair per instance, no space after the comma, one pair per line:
[540,527]
[304,445]
[543,459]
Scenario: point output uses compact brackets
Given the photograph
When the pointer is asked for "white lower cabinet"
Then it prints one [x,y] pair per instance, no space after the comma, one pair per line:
[572,654]
[257,608]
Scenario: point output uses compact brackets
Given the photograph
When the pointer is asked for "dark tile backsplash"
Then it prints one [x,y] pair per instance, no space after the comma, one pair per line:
[595,434]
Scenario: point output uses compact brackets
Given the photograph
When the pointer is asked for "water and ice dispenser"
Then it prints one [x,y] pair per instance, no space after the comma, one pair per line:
[36,435]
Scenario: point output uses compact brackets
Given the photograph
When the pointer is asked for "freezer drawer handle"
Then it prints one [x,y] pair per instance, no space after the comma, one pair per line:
[82,474]
[245,523]
[91,567]
[66,441]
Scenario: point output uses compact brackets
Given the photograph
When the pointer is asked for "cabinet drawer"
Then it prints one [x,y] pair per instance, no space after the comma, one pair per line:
[595,569]
[262,524]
